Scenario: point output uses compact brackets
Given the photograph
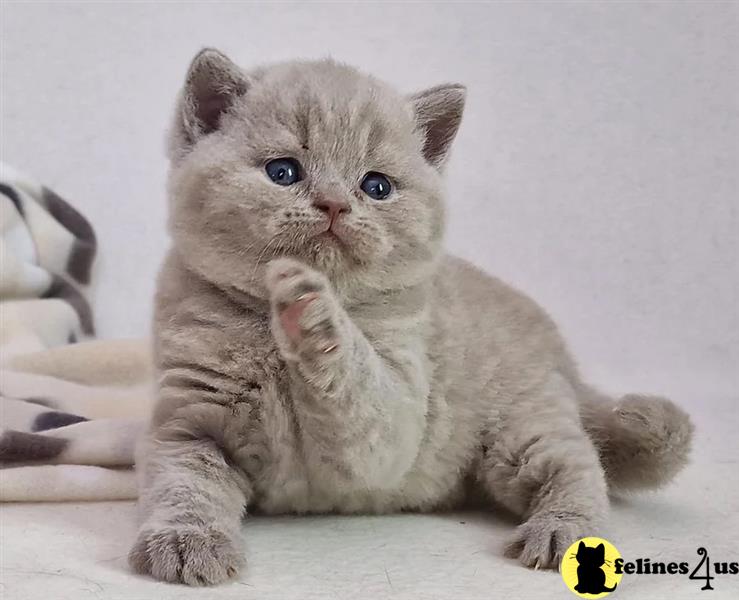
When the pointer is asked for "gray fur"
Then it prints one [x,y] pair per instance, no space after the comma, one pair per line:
[365,372]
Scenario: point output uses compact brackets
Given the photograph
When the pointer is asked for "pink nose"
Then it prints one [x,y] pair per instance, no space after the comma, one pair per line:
[333,208]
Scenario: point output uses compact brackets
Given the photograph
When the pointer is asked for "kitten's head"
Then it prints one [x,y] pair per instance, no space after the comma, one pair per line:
[312,160]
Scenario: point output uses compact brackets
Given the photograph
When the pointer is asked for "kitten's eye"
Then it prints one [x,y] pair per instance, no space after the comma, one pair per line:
[376,185]
[283,171]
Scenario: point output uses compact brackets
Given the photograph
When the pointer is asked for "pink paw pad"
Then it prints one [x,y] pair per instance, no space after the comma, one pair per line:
[290,316]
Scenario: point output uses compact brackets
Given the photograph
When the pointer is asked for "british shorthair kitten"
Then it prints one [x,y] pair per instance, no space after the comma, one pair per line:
[319,352]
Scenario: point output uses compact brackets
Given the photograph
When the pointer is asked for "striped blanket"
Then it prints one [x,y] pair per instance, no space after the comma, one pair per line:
[71,407]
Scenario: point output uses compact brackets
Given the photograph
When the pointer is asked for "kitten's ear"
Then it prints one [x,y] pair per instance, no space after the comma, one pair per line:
[601,550]
[212,84]
[581,548]
[438,113]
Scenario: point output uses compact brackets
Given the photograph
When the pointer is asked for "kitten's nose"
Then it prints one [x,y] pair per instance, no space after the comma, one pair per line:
[332,207]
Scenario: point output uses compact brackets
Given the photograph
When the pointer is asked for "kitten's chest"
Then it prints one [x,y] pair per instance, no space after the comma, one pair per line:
[294,479]
[287,477]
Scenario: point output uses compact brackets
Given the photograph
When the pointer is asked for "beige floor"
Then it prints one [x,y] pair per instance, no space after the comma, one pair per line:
[77,551]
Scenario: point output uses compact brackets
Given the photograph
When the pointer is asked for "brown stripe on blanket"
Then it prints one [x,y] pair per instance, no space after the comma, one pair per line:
[55,419]
[13,196]
[16,446]
[80,259]
[66,291]
[40,401]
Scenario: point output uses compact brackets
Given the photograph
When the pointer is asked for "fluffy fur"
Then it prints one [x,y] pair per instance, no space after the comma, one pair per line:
[359,371]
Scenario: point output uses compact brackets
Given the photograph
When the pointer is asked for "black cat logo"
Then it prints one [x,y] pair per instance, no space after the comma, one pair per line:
[591,579]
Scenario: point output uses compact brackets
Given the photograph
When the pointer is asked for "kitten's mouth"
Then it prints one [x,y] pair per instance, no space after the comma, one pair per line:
[329,235]
[327,246]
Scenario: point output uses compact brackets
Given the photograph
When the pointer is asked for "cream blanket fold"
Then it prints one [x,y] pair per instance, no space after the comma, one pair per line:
[71,407]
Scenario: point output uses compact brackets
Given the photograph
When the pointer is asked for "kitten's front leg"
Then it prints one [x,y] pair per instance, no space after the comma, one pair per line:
[308,323]
[358,415]
[191,505]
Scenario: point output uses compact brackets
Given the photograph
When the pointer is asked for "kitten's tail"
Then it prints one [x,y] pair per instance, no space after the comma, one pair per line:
[643,441]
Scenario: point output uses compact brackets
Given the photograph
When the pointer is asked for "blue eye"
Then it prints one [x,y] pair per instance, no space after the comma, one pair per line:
[283,171]
[376,185]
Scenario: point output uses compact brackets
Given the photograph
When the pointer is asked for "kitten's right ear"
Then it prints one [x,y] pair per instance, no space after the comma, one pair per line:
[438,114]
[212,84]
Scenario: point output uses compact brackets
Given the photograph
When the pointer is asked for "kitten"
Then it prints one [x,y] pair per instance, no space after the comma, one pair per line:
[591,579]
[318,352]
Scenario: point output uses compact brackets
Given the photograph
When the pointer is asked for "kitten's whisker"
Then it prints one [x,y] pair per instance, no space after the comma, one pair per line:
[262,254]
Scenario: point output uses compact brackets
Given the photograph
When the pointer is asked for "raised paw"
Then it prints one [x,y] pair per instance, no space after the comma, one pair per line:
[541,541]
[305,313]
[186,554]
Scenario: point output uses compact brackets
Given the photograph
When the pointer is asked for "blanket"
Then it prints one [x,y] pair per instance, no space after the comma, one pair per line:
[71,407]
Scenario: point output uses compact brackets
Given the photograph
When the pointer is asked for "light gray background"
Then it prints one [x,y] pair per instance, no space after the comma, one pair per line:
[596,167]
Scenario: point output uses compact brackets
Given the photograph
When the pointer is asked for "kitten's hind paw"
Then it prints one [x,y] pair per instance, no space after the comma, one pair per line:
[541,541]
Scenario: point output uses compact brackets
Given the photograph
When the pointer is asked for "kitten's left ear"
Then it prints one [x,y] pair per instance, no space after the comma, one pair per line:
[438,114]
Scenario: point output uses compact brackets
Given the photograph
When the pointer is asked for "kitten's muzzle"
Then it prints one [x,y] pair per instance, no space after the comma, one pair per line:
[333,208]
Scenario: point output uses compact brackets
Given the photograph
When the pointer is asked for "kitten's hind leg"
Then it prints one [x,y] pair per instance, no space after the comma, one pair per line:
[539,463]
